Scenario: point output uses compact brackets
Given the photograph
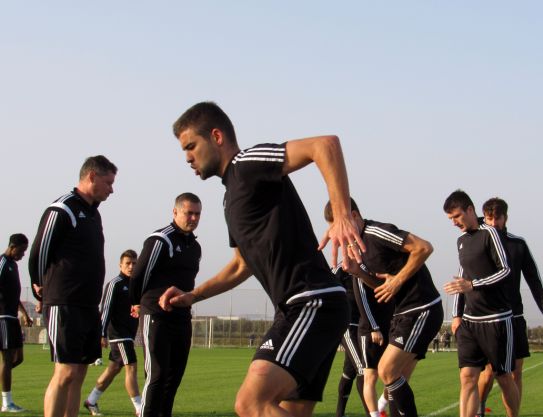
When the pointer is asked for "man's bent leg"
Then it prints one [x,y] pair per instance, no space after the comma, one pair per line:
[106,378]
[299,408]
[469,396]
[131,380]
[391,367]
[265,386]
[517,376]
[64,391]
[486,379]
[510,395]
[370,391]
[5,369]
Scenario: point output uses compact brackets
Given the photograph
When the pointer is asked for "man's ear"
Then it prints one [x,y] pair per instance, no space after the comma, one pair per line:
[217,136]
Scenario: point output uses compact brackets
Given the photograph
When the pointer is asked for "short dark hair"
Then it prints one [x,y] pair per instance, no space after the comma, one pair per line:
[193,198]
[18,239]
[495,207]
[129,253]
[203,118]
[457,199]
[329,216]
[99,164]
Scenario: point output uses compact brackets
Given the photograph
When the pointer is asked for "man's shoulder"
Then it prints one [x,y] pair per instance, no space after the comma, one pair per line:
[164,232]
[384,231]
[263,152]
[116,281]
[515,238]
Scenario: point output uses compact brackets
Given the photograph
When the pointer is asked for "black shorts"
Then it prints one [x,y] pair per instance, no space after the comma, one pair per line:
[520,335]
[413,332]
[74,333]
[11,335]
[304,338]
[371,352]
[480,343]
[122,352]
[352,352]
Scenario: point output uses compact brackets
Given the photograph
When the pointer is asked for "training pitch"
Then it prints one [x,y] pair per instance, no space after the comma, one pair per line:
[214,375]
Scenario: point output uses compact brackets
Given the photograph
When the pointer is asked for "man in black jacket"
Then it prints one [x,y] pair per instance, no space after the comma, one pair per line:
[522,262]
[482,322]
[119,327]
[67,270]
[170,257]
[11,341]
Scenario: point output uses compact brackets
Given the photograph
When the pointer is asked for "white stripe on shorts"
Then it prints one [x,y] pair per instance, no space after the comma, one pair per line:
[298,331]
[416,332]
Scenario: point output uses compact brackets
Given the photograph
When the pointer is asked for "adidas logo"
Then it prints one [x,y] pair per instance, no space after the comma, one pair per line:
[268,344]
[125,288]
[399,340]
[178,249]
[81,215]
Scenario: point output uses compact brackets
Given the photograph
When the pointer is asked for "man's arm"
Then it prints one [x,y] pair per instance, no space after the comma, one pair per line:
[153,249]
[326,153]
[105,306]
[361,272]
[51,229]
[363,305]
[531,275]
[26,318]
[419,250]
[233,274]
[498,254]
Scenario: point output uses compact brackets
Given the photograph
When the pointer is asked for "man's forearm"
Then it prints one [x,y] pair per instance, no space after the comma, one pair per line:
[233,274]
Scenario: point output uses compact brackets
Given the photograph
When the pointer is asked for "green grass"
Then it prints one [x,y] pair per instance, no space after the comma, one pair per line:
[213,377]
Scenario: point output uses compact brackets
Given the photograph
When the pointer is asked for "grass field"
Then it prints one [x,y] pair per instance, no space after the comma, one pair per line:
[213,377]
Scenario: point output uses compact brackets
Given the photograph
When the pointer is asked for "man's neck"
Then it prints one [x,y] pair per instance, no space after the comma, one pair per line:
[84,194]
[228,156]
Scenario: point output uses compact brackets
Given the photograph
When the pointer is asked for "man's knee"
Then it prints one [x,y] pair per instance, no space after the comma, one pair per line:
[469,378]
[505,380]
[387,373]
[68,374]
[370,377]
[246,404]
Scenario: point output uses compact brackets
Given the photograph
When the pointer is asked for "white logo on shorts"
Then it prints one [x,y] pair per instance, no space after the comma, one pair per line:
[268,344]
[399,340]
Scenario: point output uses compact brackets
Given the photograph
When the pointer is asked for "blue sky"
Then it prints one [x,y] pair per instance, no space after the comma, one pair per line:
[426,97]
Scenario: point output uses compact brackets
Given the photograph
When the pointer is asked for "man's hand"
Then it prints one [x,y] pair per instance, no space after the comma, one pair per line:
[377,337]
[389,289]
[458,286]
[135,311]
[344,234]
[38,307]
[174,297]
[38,289]
[455,324]
[103,342]
[27,321]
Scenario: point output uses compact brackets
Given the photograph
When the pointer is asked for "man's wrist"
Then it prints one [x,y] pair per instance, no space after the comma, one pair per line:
[197,296]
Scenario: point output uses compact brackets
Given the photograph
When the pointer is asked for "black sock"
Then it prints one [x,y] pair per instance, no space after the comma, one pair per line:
[402,396]
[344,389]
[481,410]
